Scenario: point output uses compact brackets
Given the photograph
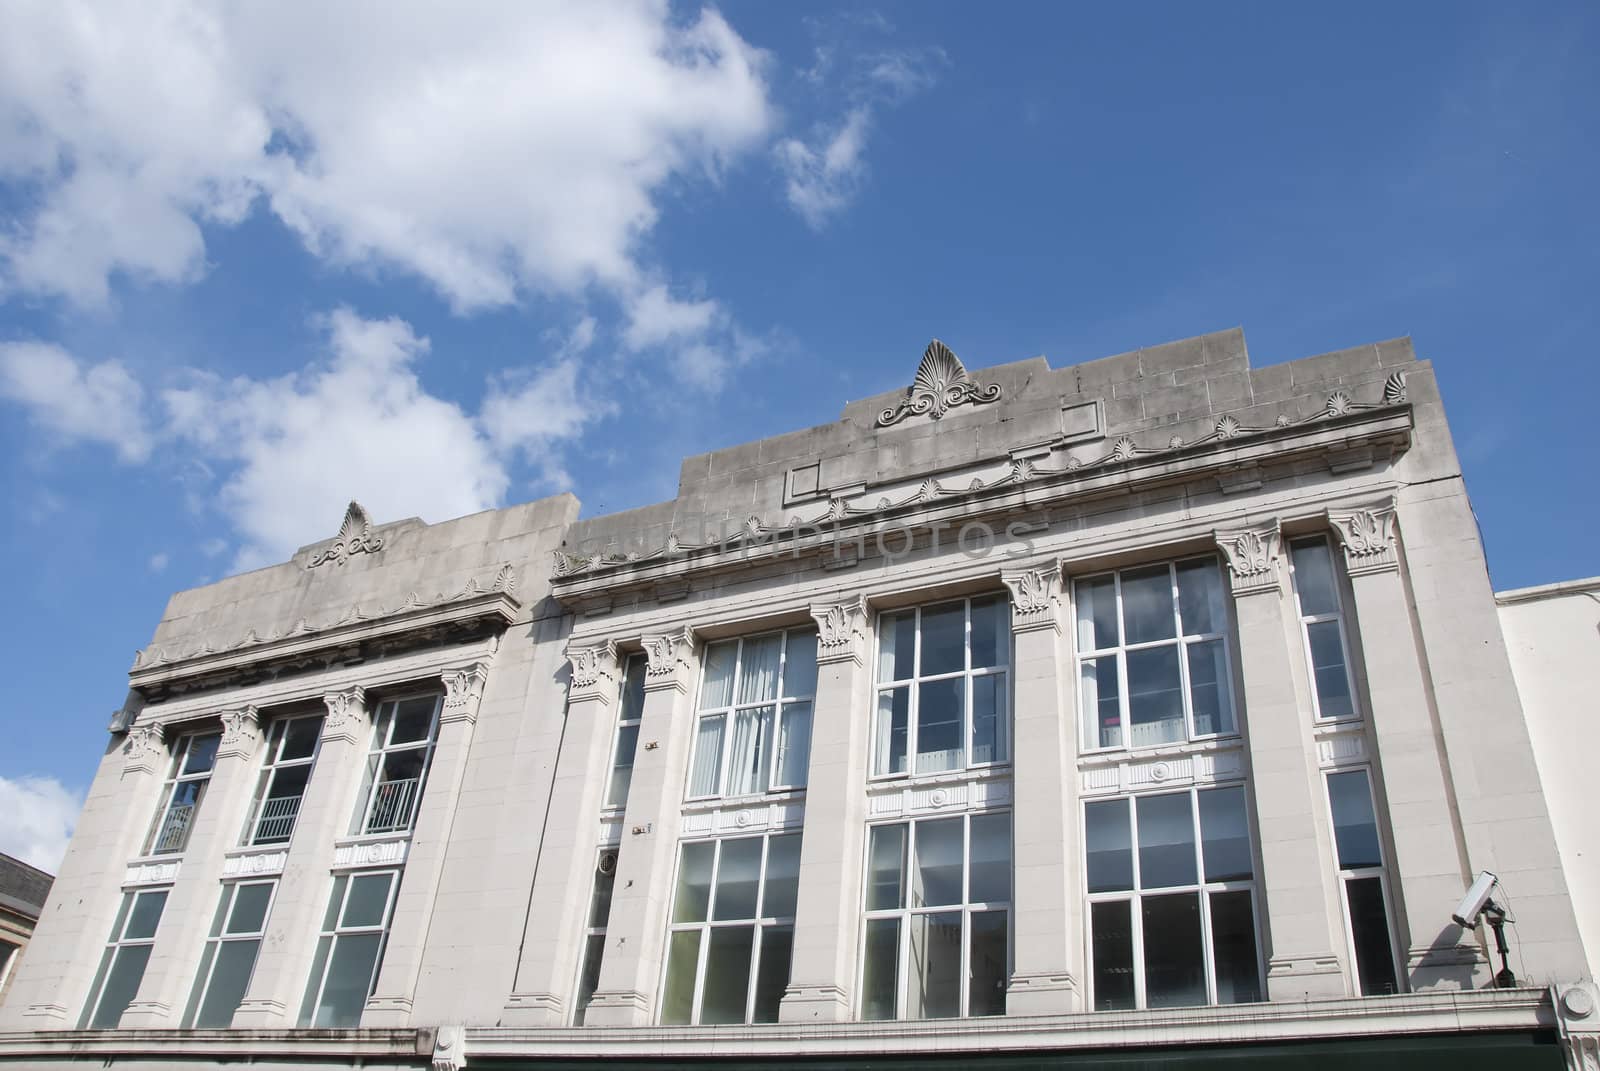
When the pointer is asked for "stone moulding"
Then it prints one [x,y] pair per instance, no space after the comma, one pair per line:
[1252,556]
[1367,536]
[355,537]
[1035,597]
[941,385]
[841,630]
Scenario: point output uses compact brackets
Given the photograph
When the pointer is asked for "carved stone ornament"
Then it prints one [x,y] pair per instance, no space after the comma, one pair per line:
[347,714]
[463,688]
[1035,598]
[355,537]
[841,630]
[594,671]
[941,384]
[1252,555]
[667,657]
[241,732]
[449,1049]
[144,749]
[1367,536]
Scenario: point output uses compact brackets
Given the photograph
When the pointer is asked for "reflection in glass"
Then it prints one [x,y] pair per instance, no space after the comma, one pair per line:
[1355,827]
[1233,948]
[1112,925]
[1166,841]
[935,966]
[1109,840]
[937,877]
[1369,932]
[1174,954]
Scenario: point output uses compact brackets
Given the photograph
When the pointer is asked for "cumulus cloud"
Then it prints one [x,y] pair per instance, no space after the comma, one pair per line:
[821,180]
[40,813]
[73,400]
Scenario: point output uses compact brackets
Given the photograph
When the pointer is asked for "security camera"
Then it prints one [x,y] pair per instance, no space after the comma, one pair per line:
[1475,901]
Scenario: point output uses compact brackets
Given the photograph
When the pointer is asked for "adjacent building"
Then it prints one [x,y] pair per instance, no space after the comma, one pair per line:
[23,889]
[1147,711]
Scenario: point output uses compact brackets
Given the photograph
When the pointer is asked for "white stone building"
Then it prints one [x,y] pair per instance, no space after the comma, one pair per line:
[1134,713]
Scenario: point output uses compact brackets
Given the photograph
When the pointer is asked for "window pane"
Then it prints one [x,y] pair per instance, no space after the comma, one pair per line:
[990,880]
[202,754]
[890,737]
[1200,597]
[750,753]
[800,666]
[783,877]
[1233,948]
[594,951]
[1155,697]
[1328,670]
[330,917]
[1209,693]
[880,969]
[772,973]
[234,962]
[369,895]
[683,958]
[1225,835]
[1109,837]
[1166,841]
[694,883]
[1313,577]
[314,981]
[716,689]
[886,861]
[600,902]
[249,908]
[146,913]
[794,745]
[1369,932]
[897,644]
[1355,827]
[1102,704]
[758,670]
[633,688]
[121,986]
[1174,964]
[706,779]
[940,706]
[413,719]
[988,718]
[738,880]
[727,983]
[204,973]
[991,632]
[1112,926]
[300,738]
[622,766]
[944,639]
[935,966]
[1097,613]
[1147,604]
[349,983]
[936,878]
[986,994]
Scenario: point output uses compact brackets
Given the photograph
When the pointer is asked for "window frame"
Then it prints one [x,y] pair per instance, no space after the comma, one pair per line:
[592,929]
[316,986]
[272,763]
[729,712]
[176,781]
[220,935]
[1348,874]
[626,719]
[1341,615]
[115,945]
[381,748]
[966,674]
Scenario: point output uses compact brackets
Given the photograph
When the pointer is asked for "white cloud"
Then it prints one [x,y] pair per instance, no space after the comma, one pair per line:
[821,181]
[74,400]
[40,813]
[158,562]
[655,316]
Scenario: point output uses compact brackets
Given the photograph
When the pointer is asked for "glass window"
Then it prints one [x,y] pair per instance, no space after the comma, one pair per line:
[1364,879]
[594,940]
[350,950]
[122,965]
[754,731]
[397,766]
[286,770]
[1153,662]
[732,930]
[1316,591]
[230,954]
[192,759]
[936,943]
[943,697]
[630,709]
[1171,882]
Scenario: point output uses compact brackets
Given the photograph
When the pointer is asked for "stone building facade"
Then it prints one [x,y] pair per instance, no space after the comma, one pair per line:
[23,889]
[1150,708]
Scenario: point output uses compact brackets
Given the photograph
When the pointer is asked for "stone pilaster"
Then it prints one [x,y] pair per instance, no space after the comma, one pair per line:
[823,970]
[635,939]
[1298,881]
[558,907]
[1047,919]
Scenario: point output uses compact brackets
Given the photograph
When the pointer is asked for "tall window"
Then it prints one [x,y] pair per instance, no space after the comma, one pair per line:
[732,930]
[185,787]
[126,955]
[628,714]
[230,955]
[1172,900]
[354,929]
[1362,875]
[594,934]
[291,751]
[397,768]
[1316,590]
[1153,655]
[936,940]
[754,729]
[942,692]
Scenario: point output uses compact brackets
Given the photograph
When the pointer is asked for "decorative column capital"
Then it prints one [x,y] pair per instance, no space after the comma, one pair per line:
[1367,536]
[1252,555]
[347,715]
[841,630]
[463,689]
[144,751]
[241,733]
[1035,598]
[669,659]
[596,669]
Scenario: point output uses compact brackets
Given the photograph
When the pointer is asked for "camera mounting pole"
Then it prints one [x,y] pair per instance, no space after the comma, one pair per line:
[1497,922]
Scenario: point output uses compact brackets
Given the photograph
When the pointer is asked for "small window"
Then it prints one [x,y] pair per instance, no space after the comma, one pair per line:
[629,713]
[397,767]
[192,761]
[230,954]
[1364,880]
[286,770]
[753,733]
[350,950]
[126,956]
[1322,625]
[594,937]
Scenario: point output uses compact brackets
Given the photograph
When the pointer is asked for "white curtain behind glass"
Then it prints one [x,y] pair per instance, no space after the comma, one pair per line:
[707,758]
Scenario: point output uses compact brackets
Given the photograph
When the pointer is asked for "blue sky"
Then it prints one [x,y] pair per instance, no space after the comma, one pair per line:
[254,264]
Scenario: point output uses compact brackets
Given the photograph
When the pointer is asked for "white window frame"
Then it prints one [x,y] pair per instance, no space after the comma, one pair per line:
[271,764]
[176,781]
[1084,654]
[904,914]
[221,935]
[626,719]
[316,988]
[967,674]
[382,748]
[580,1005]
[1204,889]
[117,944]
[1339,615]
[1347,874]
[781,705]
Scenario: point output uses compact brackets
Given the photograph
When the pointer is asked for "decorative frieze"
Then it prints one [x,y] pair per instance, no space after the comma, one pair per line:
[1367,536]
[1178,771]
[941,384]
[1342,747]
[596,669]
[347,715]
[255,862]
[144,750]
[355,537]
[388,851]
[841,630]
[463,689]
[241,733]
[1035,598]
[757,818]
[1252,555]
[151,872]
[892,800]
[669,659]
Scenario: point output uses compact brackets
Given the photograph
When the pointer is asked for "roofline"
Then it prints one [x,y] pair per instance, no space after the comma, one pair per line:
[1589,585]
